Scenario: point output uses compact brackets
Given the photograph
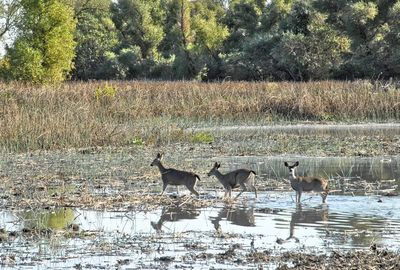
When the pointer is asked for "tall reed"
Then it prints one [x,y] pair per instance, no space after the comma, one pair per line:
[79,114]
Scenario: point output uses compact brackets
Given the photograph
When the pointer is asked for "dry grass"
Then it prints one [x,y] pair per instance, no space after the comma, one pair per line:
[124,113]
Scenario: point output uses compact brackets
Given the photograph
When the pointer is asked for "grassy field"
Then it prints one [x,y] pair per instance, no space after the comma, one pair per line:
[117,113]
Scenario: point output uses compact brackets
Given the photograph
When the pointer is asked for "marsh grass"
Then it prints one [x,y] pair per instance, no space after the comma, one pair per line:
[118,113]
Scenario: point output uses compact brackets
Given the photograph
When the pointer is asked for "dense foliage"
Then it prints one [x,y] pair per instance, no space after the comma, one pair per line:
[296,40]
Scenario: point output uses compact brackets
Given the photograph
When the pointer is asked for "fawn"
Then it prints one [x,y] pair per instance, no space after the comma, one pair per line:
[175,177]
[238,178]
[306,184]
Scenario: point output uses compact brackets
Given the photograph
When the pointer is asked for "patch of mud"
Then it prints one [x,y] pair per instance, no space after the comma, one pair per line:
[373,259]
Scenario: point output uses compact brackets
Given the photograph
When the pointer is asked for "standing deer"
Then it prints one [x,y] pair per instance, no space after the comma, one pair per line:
[238,178]
[174,177]
[306,184]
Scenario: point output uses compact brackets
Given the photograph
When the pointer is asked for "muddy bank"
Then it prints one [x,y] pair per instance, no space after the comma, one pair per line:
[373,259]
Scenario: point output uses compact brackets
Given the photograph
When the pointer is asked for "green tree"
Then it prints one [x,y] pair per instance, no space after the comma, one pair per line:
[96,37]
[140,24]
[179,38]
[209,36]
[313,51]
[242,19]
[44,49]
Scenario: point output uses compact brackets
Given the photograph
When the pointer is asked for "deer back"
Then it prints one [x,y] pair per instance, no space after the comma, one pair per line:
[237,177]
[177,177]
[309,184]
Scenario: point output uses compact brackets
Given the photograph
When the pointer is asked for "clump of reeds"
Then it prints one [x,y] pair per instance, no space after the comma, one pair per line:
[79,114]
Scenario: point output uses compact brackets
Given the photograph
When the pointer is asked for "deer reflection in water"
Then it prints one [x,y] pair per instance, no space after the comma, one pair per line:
[306,216]
[173,214]
[241,216]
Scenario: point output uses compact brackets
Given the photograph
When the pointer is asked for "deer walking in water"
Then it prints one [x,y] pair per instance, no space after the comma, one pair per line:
[175,177]
[238,178]
[306,184]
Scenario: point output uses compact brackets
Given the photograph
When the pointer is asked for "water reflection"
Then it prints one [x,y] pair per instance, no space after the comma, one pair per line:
[241,216]
[54,219]
[307,217]
[173,214]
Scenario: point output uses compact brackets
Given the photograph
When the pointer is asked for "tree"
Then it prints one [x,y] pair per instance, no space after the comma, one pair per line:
[209,36]
[44,48]
[311,51]
[140,24]
[9,15]
[179,37]
[96,37]
[242,19]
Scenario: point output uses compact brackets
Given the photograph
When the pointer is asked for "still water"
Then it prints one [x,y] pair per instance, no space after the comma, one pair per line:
[273,222]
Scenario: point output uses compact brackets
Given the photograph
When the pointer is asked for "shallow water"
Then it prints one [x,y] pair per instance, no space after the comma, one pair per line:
[143,239]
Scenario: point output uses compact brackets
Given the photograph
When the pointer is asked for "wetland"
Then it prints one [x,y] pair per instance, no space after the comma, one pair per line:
[99,207]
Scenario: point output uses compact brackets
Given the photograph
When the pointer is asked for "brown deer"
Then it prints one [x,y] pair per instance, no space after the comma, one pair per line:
[238,178]
[306,184]
[174,177]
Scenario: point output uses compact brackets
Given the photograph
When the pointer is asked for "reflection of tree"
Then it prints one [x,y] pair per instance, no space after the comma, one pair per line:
[55,219]
[307,216]
[238,216]
[173,214]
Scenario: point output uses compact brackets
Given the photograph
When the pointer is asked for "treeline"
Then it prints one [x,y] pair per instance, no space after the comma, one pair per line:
[207,40]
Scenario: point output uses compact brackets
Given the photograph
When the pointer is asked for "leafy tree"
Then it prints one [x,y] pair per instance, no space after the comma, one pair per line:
[242,19]
[311,52]
[177,44]
[95,37]
[209,36]
[44,49]
[140,24]
[274,14]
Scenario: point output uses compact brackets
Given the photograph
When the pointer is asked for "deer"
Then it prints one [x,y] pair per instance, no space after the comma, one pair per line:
[306,184]
[175,177]
[238,178]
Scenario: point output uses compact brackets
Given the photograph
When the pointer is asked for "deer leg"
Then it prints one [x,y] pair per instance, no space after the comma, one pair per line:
[324,195]
[255,190]
[164,187]
[191,188]
[299,196]
[230,192]
[240,193]
[244,188]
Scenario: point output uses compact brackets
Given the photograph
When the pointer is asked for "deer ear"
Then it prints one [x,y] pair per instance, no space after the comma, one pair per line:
[296,164]
[216,164]
[219,165]
[286,164]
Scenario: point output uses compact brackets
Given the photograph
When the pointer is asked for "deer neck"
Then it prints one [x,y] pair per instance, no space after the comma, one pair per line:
[292,175]
[161,168]
[219,175]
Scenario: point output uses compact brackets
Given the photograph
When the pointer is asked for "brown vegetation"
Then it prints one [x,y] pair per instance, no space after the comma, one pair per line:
[118,113]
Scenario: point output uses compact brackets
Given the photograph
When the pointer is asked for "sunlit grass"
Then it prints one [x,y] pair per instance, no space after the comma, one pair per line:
[121,113]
